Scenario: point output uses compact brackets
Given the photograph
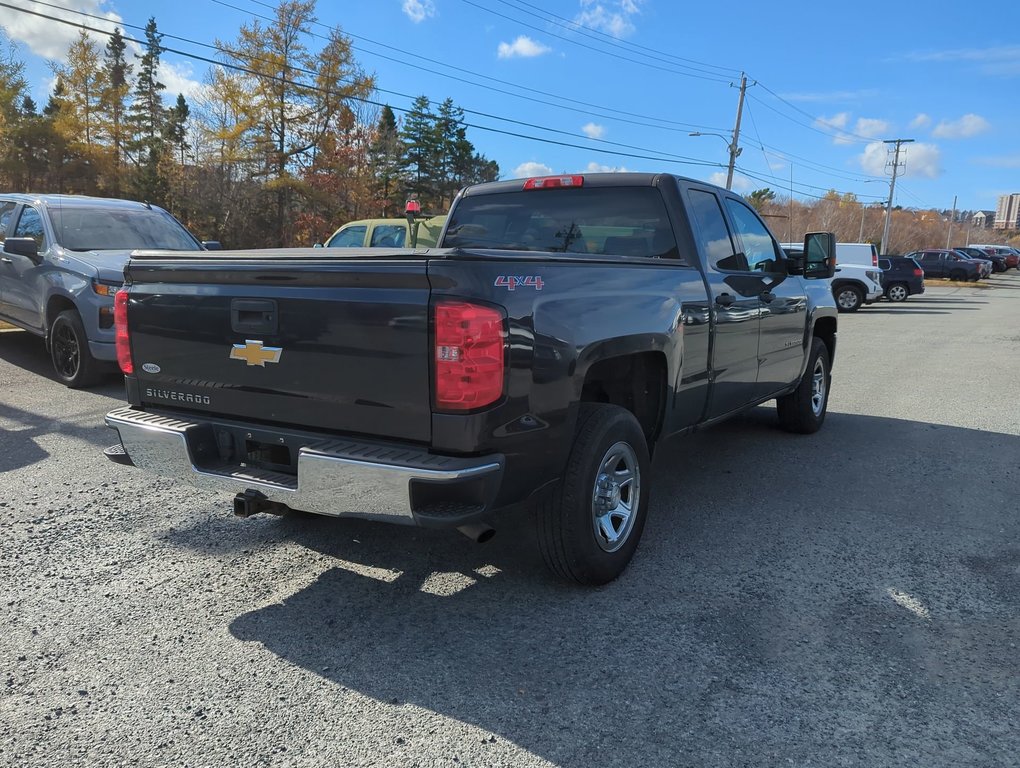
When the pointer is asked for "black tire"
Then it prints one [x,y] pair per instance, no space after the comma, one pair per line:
[69,351]
[960,277]
[799,411]
[849,298]
[567,518]
[897,292]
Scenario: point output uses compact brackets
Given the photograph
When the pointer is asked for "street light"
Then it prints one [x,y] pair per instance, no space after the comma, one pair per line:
[731,147]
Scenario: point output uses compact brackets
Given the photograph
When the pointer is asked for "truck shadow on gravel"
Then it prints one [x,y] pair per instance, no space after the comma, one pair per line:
[26,351]
[849,597]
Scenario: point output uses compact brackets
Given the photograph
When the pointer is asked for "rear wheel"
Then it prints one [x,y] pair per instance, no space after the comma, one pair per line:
[896,292]
[849,298]
[589,526]
[803,410]
[69,351]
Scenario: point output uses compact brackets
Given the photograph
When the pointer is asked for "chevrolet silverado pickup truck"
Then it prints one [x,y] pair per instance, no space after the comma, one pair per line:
[529,365]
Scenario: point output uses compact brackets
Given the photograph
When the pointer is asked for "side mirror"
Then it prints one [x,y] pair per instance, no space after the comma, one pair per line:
[212,245]
[317,245]
[22,246]
[819,255]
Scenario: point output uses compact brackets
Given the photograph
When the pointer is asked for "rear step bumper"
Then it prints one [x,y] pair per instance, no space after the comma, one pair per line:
[335,477]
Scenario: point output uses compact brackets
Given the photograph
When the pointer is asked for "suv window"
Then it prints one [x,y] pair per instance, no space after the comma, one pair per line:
[759,247]
[884,264]
[713,235]
[389,236]
[30,225]
[6,211]
[352,237]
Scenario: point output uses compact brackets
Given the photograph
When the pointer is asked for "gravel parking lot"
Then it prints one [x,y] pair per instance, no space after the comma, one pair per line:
[848,598]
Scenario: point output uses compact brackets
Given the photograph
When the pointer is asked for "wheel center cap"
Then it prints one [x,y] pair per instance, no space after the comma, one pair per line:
[608,493]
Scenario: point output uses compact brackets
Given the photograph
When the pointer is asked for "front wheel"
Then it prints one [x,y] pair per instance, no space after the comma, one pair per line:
[803,410]
[589,526]
[849,298]
[69,351]
[896,292]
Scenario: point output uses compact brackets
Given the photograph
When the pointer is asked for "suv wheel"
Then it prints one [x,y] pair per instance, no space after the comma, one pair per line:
[589,526]
[849,298]
[69,351]
[896,292]
[958,276]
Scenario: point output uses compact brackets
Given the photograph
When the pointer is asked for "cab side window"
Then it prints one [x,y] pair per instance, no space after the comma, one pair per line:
[759,247]
[6,211]
[388,236]
[30,225]
[713,235]
[352,237]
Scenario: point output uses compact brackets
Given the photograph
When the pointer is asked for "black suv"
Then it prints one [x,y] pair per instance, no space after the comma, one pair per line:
[901,277]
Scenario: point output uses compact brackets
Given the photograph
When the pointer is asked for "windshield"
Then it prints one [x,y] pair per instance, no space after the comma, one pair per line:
[81,228]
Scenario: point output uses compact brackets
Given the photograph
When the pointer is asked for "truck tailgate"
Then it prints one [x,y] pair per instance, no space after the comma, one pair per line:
[331,344]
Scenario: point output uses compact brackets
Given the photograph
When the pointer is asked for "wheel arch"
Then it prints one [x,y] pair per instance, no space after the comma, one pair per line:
[633,380]
[55,304]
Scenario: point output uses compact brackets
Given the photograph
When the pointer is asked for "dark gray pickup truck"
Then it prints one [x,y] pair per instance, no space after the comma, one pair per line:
[566,325]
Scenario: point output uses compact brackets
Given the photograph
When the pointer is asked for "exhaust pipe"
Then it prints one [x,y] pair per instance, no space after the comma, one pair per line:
[252,502]
[478,532]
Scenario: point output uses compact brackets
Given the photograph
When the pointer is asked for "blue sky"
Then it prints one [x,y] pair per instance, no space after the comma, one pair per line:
[830,82]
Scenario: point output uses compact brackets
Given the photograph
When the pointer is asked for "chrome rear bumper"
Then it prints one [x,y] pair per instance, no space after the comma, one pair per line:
[335,477]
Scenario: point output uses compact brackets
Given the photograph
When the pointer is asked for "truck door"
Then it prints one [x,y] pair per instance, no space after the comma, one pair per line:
[6,214]
[783,298]
[21,276]
[735,312]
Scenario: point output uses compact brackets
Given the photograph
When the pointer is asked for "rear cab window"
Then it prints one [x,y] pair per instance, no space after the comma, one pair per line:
[388,236]
[603,221]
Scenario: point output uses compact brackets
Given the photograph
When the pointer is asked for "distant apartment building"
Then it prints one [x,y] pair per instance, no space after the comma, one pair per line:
[982,220]
[1007,214]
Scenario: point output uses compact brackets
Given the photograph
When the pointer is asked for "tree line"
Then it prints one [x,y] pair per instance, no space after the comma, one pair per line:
[282,144]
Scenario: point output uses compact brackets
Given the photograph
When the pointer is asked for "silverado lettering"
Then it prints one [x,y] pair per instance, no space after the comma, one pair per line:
[563,328]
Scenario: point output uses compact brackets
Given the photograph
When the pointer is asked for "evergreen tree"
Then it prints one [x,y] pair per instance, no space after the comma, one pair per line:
[384,158]
[421,157]
[176,130]
[113,101]
[146,118]
[28,107]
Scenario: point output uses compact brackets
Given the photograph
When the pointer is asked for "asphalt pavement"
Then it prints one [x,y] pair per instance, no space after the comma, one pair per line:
[847,598]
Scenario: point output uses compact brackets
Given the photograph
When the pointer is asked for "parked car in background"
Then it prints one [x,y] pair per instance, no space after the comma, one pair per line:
[985,264]
[63,260]
[941,262]
[1012,255]
[862,254]
[998,260]
[901,277]
[386,233]
[853,285]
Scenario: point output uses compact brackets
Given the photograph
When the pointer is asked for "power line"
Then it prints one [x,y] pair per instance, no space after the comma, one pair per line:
[620,115]
[842,132]
[640,152]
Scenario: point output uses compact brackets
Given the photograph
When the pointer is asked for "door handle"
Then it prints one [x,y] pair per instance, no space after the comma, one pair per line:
[5,260]
[725,300]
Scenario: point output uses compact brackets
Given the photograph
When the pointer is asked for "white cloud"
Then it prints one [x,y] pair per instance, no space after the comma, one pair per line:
[419,10]
[920,160]
[836,121]
[967,126]
[594,167]
[614,17]
[921,121]
[531,168]
[1003,60]
[594,130]
[178,79]
[523,47]
[871,128]
[51,39]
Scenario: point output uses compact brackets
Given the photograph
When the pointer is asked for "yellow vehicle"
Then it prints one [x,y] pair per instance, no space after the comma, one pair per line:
[388,233]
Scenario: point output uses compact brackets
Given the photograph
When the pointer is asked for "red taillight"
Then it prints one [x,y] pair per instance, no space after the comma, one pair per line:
[874,256]
[123,339]
[918,273]
[470,344]
[550,182]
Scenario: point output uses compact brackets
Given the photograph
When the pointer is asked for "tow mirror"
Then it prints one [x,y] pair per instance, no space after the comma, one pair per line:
[22,246]
[819,255]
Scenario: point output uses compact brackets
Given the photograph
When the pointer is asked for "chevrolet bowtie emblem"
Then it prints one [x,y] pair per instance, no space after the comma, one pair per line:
[253,353]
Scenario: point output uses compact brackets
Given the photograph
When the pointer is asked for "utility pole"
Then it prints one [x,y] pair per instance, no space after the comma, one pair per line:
[949,237]
[734,149]
[892,188]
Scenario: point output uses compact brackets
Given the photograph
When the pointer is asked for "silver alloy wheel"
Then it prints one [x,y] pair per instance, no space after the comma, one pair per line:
[615,497]
[848,298]
[818,387]
[896,293]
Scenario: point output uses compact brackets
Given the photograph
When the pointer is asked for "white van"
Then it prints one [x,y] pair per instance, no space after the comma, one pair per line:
[863,254]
